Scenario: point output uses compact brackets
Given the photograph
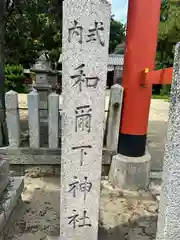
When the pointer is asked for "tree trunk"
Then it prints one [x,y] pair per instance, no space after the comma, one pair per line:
[3,130]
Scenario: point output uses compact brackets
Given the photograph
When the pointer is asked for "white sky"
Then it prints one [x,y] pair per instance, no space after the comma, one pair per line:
[119,9]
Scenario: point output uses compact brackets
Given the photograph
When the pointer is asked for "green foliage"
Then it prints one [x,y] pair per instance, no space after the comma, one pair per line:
[163,97]
[169,33]
[117,34]
[165,89]
[33,26]
[14,78]
[36,25]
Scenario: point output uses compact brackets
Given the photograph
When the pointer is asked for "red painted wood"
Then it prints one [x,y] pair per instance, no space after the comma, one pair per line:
[163,76]
[140,52]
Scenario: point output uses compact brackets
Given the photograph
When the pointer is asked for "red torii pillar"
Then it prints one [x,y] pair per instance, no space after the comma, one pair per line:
[140,53]
[130,167]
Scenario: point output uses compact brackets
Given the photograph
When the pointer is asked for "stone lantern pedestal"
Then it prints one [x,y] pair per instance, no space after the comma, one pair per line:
[43,87]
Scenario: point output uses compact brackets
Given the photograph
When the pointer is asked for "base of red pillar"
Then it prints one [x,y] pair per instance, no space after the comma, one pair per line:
[130,172]
[132,145]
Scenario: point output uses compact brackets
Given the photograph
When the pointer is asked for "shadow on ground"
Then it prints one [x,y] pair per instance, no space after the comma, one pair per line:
[144,228]
[37,215]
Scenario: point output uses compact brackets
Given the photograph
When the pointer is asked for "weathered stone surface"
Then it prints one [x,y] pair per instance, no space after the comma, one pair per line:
[115,106]
[43,104]
[42,63]
[12,118]
[9,200]
[41,156]
[156,175]
[85,55]
[41,78]
[53,238]
[169,213]
[53,120]
[155,189]
[12,195]
[130,172]
[33,118]
[4,175]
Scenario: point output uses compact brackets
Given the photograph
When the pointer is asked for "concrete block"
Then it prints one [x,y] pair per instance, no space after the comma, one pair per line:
[130,172]
[53,120]
[12,118]
[43,104]
[43,156]
[117,95]
[33,119]
[10,199]
[115,106]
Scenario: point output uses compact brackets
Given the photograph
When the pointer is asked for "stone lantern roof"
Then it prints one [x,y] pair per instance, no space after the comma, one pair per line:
[42,64]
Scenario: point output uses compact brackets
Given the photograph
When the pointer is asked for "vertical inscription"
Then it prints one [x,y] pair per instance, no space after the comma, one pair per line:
[85,53]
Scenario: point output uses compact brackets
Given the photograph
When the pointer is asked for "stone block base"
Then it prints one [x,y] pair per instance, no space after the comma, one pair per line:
[130,172]
[9,199]
[4,175]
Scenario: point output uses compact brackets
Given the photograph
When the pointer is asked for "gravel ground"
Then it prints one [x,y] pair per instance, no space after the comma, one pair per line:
[124,215]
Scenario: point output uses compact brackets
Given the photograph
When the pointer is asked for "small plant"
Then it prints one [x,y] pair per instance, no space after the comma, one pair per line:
[14,78]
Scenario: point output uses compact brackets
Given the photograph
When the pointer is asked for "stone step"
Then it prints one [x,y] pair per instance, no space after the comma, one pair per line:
[9,199]
[4,175]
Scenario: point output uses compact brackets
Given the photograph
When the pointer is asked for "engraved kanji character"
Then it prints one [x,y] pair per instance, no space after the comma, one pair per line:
[75,30]
[78,221]
[83,119]
[85,220]
[85,187]
[74,187]
[83,153]
[82,78]
[73,219]
[95,33]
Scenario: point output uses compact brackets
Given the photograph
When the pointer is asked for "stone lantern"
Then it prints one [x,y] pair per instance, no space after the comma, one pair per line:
[43,83]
